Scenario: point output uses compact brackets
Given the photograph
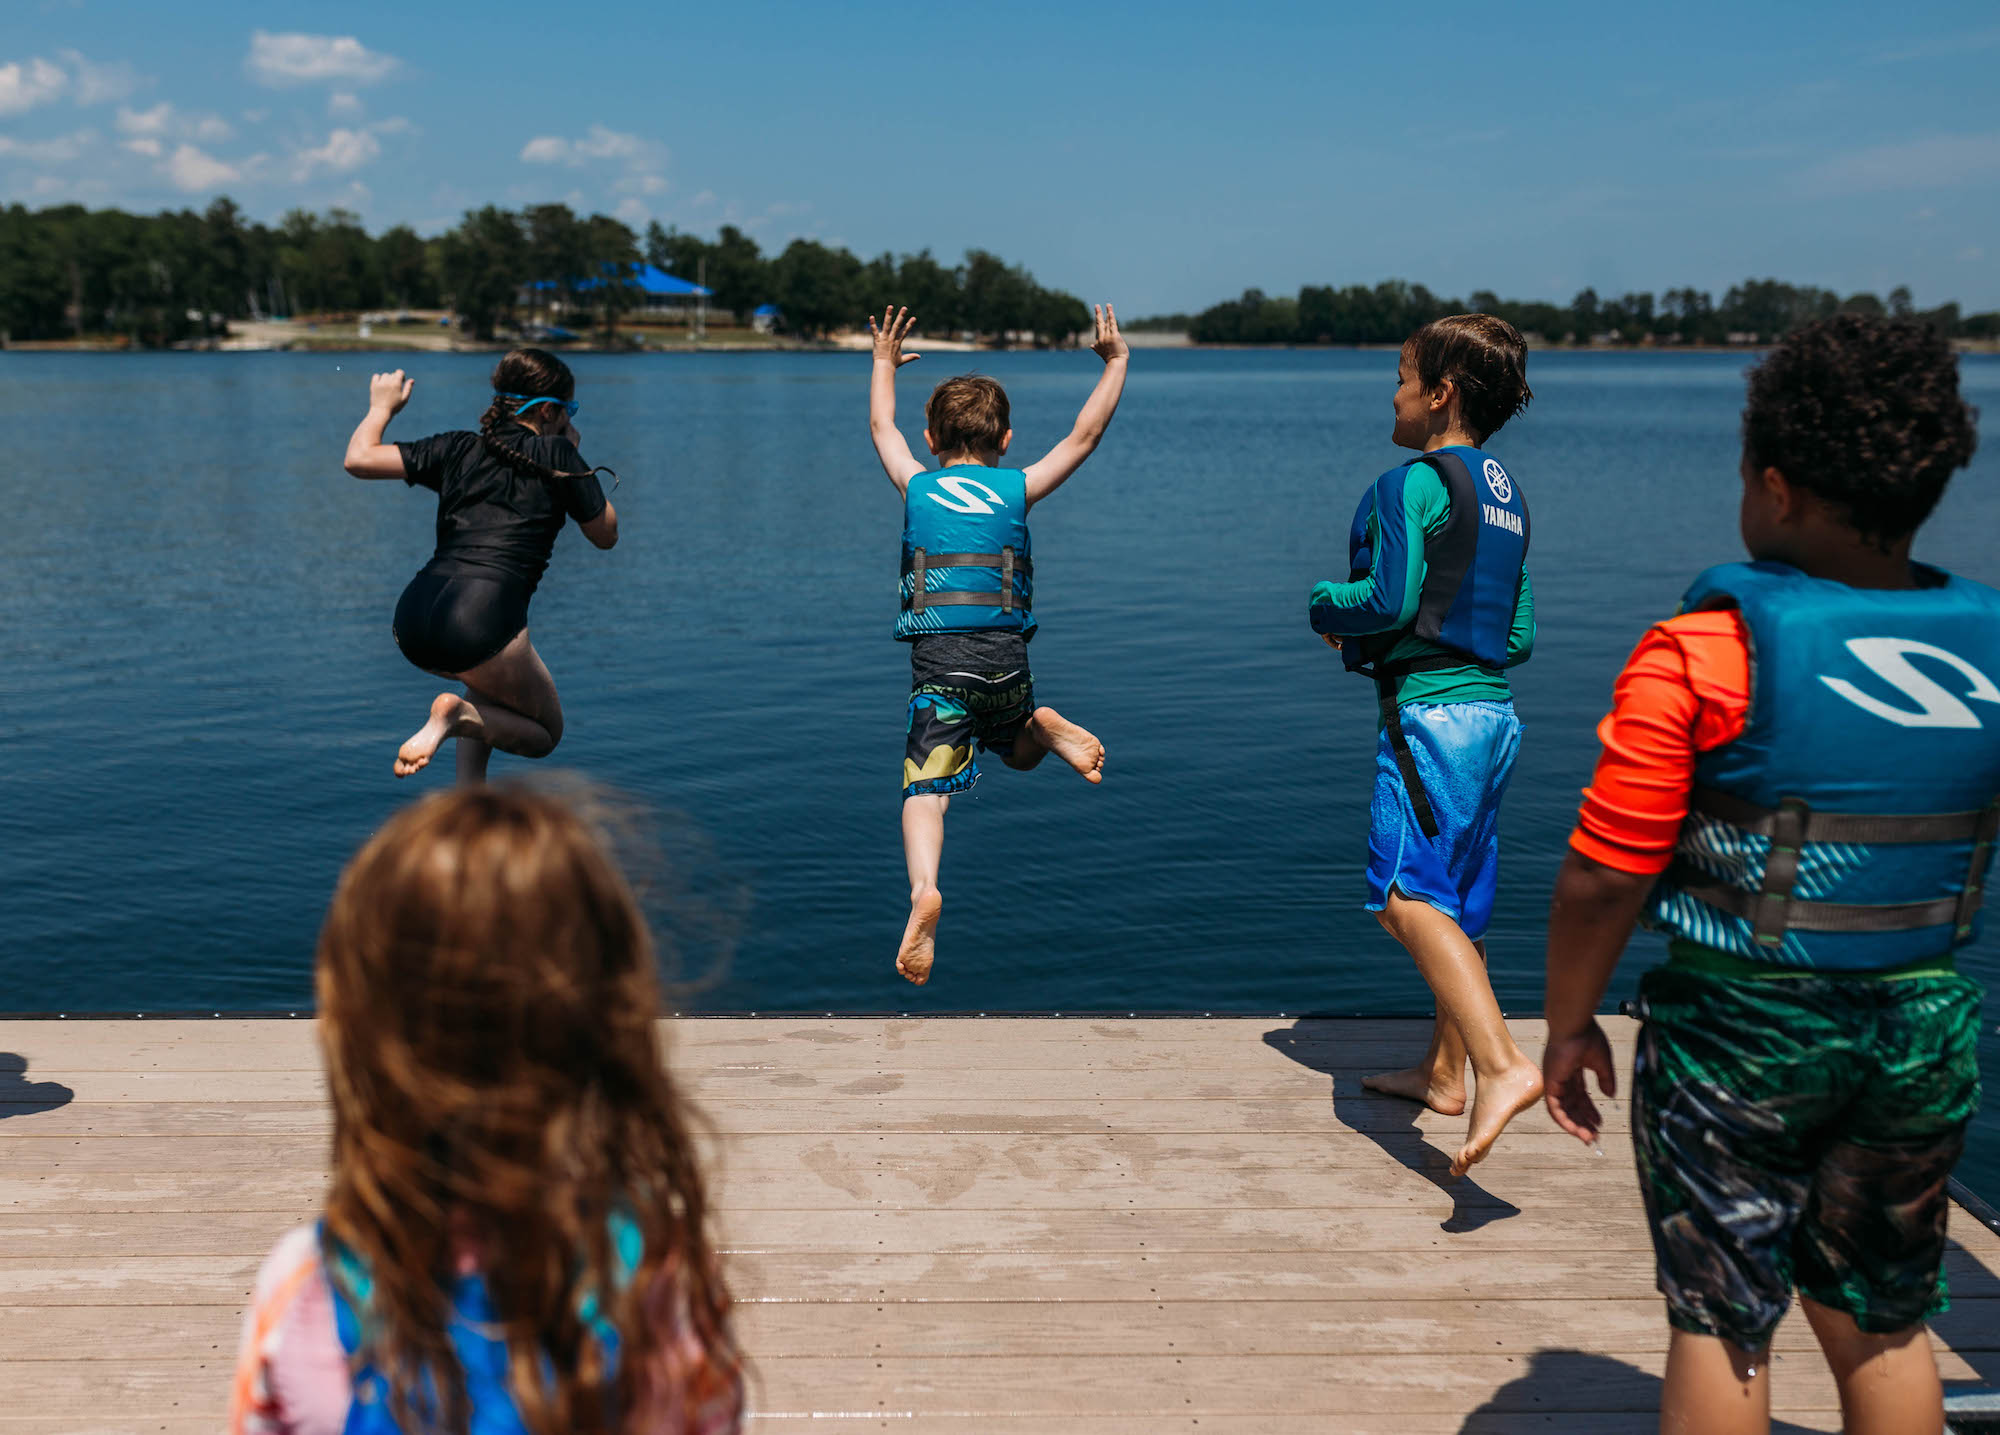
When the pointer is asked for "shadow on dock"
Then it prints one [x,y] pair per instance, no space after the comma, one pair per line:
[22,1097]
[1560,1382]
[1315,1043]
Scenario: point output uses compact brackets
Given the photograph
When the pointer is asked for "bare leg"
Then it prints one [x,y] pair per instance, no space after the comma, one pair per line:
[1888,1383]
[510,703]
[1048,731]
[1507,1082]
[923,850]
[1438,1081]
[1715,1388]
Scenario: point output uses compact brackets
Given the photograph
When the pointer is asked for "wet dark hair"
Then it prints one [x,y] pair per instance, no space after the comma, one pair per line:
[1866,414]
[534,374]
[1486,360]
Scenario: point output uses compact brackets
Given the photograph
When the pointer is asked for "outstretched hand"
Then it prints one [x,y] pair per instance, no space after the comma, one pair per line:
[1563,1065]
[889,336]
[1109,343]
[389,391]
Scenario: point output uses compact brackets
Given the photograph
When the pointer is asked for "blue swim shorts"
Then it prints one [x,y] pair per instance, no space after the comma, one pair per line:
[1464,753]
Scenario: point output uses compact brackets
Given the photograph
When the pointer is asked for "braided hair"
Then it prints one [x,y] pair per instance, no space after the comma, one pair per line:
[526,375]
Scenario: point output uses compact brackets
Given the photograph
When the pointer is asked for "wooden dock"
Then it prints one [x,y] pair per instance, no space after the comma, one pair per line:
[1005,1226]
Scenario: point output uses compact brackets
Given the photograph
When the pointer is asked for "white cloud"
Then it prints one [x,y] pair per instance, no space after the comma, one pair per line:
[25,84]
[63,149]
[344,150]
[163,121]
[100,84]
[1936,162]
[299,59]
[599,143]
[343,103]
[147,146]
[704,199]
[192,169]
[634,213]
[1971,254]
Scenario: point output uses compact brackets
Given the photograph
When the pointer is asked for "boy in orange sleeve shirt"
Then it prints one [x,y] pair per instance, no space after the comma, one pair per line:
[1800,785]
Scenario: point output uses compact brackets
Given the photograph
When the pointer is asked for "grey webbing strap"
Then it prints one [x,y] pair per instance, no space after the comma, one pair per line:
[1863,829]
[918,598]
[964,600]
[1006,580]
[1974,890]
[978,560]
[1804,916]
[1781,871]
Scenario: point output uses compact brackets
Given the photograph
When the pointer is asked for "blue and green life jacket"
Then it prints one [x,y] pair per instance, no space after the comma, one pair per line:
[477,1338]
[1851,826]
[1472,566]
[966,561]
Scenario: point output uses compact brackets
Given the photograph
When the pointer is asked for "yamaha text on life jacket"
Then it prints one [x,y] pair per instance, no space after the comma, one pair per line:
[1851,826]
[966,560]
[1472,580]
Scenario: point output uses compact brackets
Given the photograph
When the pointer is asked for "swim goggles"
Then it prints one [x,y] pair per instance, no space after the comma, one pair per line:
[568,406]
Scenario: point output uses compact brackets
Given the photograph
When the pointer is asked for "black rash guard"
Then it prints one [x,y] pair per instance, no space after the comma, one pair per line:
[493,522]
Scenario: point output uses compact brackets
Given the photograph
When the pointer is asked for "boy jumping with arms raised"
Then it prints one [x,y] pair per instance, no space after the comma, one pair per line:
[967,597]
[1436,609]
[1800,784]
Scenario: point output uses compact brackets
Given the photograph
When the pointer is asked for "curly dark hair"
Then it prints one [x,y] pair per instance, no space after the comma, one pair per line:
[1866,414]
[1484,356]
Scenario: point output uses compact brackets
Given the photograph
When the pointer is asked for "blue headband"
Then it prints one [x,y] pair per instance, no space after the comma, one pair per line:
[568,406]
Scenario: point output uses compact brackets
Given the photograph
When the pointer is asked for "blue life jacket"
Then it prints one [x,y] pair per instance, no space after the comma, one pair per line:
[1851,826]
[1472,566]
[477,1338]
[966,562]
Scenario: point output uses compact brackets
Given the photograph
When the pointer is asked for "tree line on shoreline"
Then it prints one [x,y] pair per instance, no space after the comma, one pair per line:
[71,272]
[1757,311]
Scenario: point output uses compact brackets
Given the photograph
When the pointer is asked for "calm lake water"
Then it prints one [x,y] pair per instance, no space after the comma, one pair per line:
[201,697]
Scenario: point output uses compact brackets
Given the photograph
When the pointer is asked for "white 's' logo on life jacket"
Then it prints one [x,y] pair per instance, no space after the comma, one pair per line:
[1889,660]
[967,503]
[1497,480]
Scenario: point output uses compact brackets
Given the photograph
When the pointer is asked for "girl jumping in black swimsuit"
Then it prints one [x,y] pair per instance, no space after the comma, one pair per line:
[503,495]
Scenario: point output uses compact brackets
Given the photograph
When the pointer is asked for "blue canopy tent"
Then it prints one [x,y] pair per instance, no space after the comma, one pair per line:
[661,289]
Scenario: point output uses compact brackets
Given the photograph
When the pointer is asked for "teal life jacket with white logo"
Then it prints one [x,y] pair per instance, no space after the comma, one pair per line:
[966,561]
[477,1340]
[1851,826]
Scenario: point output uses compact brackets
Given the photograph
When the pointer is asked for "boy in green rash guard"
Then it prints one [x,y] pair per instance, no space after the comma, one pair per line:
[1436,608]
[967,597]
[1799,785]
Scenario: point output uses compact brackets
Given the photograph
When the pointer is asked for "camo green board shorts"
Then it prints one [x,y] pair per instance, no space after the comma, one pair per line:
[1798,1129]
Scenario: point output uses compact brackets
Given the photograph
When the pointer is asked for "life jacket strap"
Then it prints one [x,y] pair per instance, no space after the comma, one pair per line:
[921,562]
[1974,890]
[1803,916]
[1385,675]
[1861,829]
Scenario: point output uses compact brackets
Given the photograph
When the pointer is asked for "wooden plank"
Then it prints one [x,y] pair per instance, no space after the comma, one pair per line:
[66,1233]
[868,1115]
[1418,1383]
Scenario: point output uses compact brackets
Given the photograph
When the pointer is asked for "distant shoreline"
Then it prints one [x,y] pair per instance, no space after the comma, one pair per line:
[846,344]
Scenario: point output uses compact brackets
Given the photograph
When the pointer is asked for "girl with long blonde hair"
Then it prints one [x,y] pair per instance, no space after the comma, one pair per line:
[515,1238]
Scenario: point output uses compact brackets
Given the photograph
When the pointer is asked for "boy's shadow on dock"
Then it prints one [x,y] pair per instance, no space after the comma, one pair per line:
[1318,1043]
[1574,1382]
[22,1097]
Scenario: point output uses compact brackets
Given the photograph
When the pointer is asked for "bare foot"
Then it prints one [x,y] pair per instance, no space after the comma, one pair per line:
[1496,1100]
[1415,1083]
[415,755]
[919,949]
[1074,745]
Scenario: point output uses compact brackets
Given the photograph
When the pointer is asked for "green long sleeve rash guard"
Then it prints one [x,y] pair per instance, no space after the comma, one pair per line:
[1385,599]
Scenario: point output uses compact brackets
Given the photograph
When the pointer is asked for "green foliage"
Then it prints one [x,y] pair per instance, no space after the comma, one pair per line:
[1757,311]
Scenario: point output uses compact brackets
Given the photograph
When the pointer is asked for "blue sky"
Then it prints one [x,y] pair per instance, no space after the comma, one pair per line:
[1163,155]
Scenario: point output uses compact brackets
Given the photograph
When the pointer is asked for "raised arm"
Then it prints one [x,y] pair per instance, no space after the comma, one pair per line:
[1046,475]
[890,445]
[367,455]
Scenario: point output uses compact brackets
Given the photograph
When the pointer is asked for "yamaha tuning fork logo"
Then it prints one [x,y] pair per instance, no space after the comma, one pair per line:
[1497,480]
